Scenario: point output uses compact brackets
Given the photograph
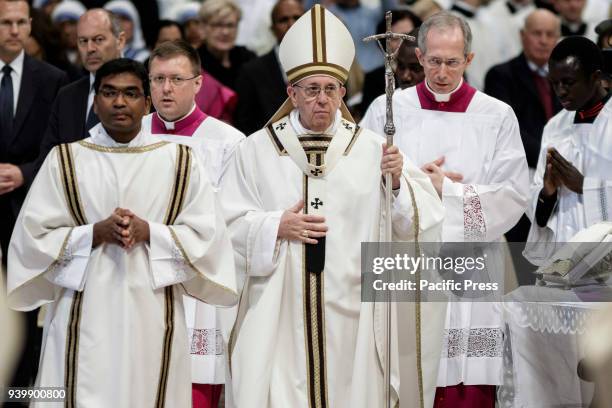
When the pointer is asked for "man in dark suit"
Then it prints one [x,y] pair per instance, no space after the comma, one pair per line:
[261,86]
[99,39]
[27,90]
[522,84]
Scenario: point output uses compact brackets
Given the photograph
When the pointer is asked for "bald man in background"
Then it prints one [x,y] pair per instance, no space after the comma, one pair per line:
[522,84]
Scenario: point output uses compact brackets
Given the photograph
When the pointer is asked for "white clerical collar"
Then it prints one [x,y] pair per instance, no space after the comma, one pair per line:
[541,71]
[440,97]
[170,125]
[100,137]
[294,119]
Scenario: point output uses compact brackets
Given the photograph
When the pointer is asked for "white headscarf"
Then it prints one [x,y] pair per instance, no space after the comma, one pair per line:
[67,10]
[181,13]
[137,48]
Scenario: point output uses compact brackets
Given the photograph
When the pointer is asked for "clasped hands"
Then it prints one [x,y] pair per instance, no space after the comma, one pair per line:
[306,228]
[560,172]
[121,228]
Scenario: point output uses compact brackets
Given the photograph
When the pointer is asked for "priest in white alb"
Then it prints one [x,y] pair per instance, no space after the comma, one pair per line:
[115,229]
[572,186]
[300,196]
[174,72]
[470,146]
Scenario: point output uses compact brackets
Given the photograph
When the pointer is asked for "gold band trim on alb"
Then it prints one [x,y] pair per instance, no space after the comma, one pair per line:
[75,208]
[181,182]
[314,328]
[160,400]
[122,149]
[318,68]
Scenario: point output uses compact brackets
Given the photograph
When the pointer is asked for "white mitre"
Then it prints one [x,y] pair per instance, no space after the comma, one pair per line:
[317,44]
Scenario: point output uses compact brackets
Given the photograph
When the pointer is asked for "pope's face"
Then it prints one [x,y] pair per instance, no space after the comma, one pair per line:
[445,60]
[317,112]
[173,100]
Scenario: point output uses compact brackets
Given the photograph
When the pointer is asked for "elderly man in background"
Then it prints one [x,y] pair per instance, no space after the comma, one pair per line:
[523,84]
[470,146]
[100,40]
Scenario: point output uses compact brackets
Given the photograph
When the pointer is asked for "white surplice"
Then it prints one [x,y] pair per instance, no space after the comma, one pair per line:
[208,326]
[484,145]
[270,347]
[587,146]
[115,327]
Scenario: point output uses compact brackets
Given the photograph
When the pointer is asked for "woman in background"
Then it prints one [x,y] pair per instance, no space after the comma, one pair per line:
[220,55]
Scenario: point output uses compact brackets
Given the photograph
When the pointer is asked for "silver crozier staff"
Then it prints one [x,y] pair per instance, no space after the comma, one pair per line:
[390,56]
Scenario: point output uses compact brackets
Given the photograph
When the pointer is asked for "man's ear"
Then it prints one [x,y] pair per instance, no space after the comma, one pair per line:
[469,59]
[95,105]
[419,55]
[596,76]
[147,105]
[292,95]
[198,83]
[121,41]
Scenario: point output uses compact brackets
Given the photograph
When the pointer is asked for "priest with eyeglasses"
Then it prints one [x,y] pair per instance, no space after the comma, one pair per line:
[469,144]
[299,197]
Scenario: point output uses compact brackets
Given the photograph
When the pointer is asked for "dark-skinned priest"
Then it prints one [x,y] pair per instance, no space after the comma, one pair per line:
[115,229]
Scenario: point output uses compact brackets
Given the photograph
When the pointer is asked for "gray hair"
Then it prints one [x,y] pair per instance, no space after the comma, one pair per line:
[219,8]
[443,20]
[115,24]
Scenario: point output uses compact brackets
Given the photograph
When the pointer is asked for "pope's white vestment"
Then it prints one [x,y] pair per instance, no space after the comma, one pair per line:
[115,332]
[479,139]
[305,339]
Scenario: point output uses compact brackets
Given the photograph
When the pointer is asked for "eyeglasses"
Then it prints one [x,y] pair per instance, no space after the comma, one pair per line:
[113,93]
[312,92]
[175,80]
[435,62]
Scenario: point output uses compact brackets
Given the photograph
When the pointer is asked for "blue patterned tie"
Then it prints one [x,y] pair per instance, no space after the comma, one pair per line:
[6,103]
